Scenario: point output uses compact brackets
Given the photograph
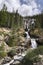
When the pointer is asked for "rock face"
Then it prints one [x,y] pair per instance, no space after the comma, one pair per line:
[4,32]
[22,39]
[7,37]
[36,33]
[40,41]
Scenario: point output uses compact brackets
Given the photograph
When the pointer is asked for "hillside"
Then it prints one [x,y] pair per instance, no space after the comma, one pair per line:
[19,43]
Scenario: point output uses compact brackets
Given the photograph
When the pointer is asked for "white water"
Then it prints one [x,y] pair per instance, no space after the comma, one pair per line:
[33,43]
[16,57]
[20,56]
[27,35]
[9,62]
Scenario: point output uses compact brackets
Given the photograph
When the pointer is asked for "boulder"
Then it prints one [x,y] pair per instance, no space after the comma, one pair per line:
[40,41]
[35,33]
[6,60]
[22,39]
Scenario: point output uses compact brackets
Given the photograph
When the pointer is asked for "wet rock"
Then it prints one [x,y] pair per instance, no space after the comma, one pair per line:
[24,34]
[27,43]
[6,60]
[15,63]
[35,33]
[40,41]
[34,36]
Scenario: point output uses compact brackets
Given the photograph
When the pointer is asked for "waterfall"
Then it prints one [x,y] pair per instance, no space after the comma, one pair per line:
[20,56]
[27,35]
[33,43]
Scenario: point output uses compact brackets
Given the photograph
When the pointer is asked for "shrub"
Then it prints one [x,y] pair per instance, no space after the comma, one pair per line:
[11,41]
[2,52]
[12,53]
[32,56]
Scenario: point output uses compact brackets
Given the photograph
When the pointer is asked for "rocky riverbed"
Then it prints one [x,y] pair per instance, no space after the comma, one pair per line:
[24,44]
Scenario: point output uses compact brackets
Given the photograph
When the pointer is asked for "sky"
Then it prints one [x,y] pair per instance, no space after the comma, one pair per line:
[24,7]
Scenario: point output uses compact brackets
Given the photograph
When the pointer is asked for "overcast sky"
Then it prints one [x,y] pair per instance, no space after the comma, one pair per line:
[24,7]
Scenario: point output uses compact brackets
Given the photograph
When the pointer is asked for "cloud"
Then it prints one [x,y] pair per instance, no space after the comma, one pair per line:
[13,4]
[1,4]
[27,8]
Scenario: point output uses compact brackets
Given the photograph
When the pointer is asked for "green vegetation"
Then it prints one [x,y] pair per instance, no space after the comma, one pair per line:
[14,21]
[33,56]
[12,52]
[9,42]
[10,20]
[35,52]
[12,40]
[2,52]
[39,20]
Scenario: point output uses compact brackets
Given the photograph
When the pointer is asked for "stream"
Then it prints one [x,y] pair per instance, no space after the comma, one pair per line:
[18,58]
[33,41]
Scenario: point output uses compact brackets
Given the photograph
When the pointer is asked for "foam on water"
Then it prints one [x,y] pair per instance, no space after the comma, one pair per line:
[33,43]
[27,35]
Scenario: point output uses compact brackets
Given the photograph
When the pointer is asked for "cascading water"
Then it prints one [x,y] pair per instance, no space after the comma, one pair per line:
[27,35]
[33,43]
